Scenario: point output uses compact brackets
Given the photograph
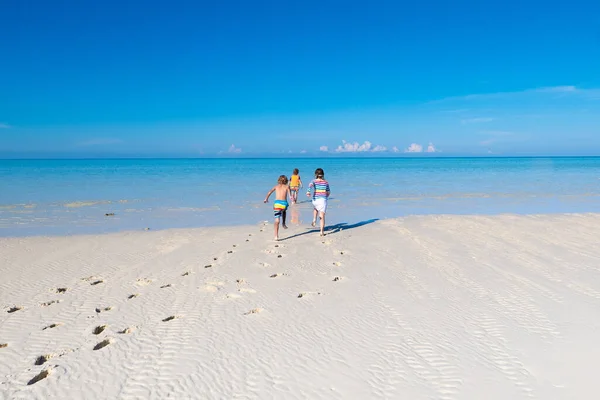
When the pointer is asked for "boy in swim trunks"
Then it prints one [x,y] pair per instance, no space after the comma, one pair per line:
[282,190]
[295,185]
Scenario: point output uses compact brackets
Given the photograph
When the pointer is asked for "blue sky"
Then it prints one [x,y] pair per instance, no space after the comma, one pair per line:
[235,78]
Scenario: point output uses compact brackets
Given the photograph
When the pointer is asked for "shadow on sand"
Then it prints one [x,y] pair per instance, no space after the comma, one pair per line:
[333,228]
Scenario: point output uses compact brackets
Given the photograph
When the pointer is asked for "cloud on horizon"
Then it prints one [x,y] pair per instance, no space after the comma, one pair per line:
[418,148]
[414,148]
[356,147]
[324,148]
[234,150]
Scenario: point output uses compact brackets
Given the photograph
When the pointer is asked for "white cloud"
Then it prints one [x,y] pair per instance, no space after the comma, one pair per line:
[476,120]
[355,147]
[556,89]
[303,152]
[395,149]
[323,148]
[4,126]
[431,148]
[414,148]
[234,150]
[100,142]
[564,90]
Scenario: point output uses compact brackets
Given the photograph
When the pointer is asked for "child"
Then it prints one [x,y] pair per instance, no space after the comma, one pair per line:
[295,185]
[282,190]
[320,195]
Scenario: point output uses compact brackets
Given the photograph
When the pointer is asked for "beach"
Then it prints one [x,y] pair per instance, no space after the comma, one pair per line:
[418,307]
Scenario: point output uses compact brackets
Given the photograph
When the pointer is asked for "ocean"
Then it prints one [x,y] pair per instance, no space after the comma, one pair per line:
[42,197]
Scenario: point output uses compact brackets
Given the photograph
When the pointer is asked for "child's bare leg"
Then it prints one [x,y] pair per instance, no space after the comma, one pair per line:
[283,215]
[314,221]
[322,215]
[277,229]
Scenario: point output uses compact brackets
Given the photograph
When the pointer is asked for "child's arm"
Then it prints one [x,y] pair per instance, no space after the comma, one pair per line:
[310,185]
[300,181]
[269,195]
[327,191]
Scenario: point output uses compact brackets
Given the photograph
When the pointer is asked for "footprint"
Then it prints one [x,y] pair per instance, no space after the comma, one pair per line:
[171,318]
[264,264]
[278,275]
[186,273]
[254,311]
[41,360]
[144,281]
[42,375]
[126,331]
[89,278]
[62,290]
[96,282]
[49,303]
[103,344]
[247,240]
[99,310]
[52,326]
[337,264]
[166,286]
[240,281]
[208,266]
[132,296]
[230,251]
[99,329]
[304,294]
[14,309]
[3,345]
[337,279]
[234,245]
[215,258]
[279,256]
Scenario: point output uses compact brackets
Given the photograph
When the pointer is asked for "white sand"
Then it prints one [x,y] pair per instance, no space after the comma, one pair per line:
[429,307]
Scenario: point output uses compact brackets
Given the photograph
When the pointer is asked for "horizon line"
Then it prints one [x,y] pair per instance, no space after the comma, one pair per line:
[406,156]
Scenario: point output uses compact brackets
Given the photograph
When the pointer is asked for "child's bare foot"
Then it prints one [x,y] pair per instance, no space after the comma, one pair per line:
[314,223]
[284,226]
[322,234]
[276,239]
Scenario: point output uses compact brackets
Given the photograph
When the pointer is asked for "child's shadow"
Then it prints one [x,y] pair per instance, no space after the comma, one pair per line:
[334,228]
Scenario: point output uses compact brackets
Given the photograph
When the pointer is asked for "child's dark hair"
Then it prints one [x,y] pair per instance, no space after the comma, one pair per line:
[283,180]
[296,171]
[319,173]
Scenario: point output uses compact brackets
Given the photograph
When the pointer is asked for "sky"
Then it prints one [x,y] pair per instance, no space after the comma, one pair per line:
[327,78]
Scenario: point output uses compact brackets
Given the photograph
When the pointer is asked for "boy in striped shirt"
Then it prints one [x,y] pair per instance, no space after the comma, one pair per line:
[320,194]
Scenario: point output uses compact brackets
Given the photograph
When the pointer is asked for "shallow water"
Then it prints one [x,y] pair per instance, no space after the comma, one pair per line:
[73,196]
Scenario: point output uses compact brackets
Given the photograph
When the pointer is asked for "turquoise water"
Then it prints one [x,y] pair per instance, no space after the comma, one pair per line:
[73,196]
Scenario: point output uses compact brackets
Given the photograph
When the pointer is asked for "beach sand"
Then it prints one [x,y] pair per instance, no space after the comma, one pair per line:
[428,307]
